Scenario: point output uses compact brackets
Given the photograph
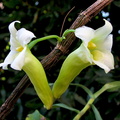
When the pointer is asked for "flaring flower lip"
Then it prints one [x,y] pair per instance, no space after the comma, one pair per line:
[18,46]
[98,44]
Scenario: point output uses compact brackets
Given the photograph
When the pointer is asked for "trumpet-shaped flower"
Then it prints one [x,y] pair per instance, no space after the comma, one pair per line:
[97,45]
[18,41]
[95,49]
[20,57]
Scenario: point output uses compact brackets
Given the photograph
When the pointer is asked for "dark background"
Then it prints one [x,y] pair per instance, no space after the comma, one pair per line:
[45,17]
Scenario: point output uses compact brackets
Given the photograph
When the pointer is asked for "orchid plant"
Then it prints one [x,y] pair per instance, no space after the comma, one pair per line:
[95,49]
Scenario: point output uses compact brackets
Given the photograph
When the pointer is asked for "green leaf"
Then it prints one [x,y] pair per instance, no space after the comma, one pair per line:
[11,3]
[66,107]
[96,112]
[85,89]
[35,116]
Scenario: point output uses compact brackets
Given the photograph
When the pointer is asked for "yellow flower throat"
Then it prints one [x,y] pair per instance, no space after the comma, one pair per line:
[19,49]
[91,45]
[97,55]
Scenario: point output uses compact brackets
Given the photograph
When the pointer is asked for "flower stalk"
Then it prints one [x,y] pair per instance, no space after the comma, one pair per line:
[59,39]
[34,42]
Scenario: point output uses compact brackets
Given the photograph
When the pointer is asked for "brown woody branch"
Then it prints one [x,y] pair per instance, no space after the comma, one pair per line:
[53,57]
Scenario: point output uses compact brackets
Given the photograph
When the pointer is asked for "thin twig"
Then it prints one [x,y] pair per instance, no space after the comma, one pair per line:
[65,20]
[53,57]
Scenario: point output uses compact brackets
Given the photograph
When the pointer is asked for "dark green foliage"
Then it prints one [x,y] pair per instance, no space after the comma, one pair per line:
[45,18]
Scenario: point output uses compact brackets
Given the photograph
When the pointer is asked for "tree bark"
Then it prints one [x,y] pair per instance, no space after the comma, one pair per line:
[53,57]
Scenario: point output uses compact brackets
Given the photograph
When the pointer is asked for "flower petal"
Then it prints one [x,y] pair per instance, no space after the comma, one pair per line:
[84,33]
[104,60]
[13,41]
[18,62]
[12,28]
[106,44]
[102,32]
[9,59]
[24,36]
[84,53]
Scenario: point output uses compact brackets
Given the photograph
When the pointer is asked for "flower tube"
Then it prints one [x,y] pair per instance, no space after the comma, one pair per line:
[20,57]
[94,50]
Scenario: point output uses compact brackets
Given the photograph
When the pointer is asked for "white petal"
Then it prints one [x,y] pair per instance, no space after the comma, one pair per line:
[102,32]
[24,36]
[108,42]
[84,33]
[83,53]
[106,61]
[9,59]
[105,44]
[14,43]
[12,28]
[18,62]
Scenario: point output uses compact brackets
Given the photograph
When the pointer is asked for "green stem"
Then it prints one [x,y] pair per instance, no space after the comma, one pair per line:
[99,92]
[66,32]
[83,111]
[31,44]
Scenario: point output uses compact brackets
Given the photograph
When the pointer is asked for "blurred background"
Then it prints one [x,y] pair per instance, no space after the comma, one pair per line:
[45,17]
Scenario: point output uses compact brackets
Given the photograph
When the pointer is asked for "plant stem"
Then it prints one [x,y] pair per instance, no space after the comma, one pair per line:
[31,44]
[83,111]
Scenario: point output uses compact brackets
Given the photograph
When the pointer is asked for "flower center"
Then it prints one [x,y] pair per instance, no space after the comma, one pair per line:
[19,49]
[91,45]
[97,55]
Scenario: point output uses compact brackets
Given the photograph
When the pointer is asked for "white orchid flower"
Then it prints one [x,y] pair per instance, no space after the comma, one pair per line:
[95,49]
[20,57]
[97,45]
[18,41]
